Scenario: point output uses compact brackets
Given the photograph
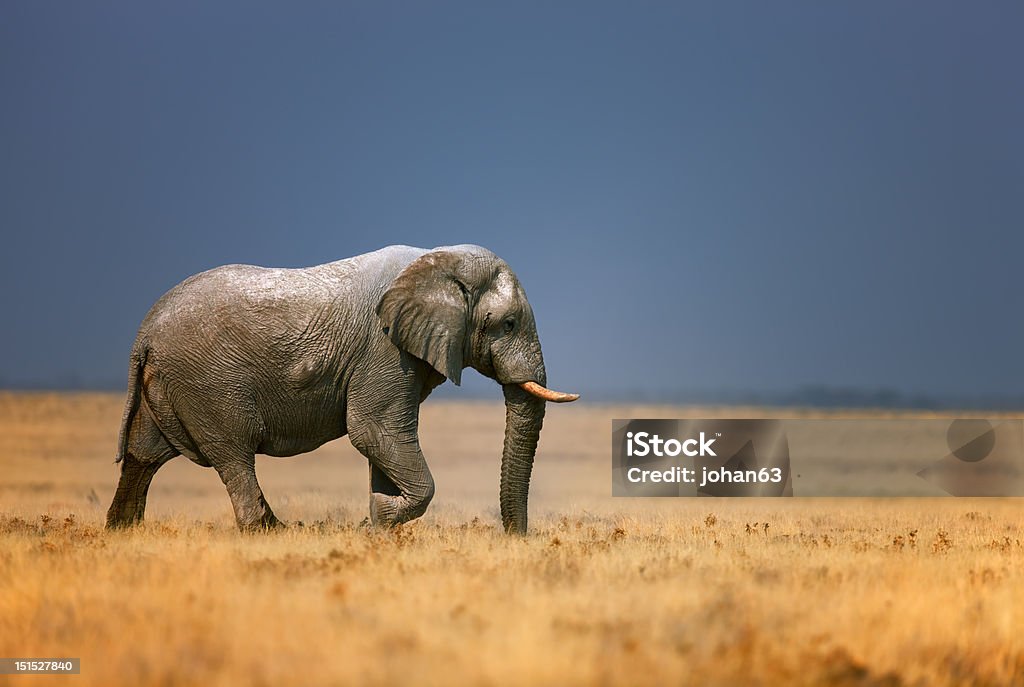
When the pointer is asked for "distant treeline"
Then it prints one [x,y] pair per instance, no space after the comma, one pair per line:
[824,396]
[810,396]
[813,396]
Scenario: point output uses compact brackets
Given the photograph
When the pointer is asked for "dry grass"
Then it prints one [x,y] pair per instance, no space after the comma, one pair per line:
[702,591]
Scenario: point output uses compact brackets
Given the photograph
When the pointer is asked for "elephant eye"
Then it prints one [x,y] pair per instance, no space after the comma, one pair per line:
[508,325]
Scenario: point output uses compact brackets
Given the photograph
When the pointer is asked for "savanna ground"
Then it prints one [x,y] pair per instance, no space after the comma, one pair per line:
[603,591]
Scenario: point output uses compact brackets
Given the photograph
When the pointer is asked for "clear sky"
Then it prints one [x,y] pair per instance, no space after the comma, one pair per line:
[714,196]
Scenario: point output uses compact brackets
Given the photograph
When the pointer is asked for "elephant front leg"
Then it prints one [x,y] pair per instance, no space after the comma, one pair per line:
[401,485]
[381,484]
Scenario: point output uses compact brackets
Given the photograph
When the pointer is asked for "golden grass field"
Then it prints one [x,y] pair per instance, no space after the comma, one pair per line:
[603,591]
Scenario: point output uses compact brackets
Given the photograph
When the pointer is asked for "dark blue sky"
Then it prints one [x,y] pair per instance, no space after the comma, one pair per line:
[723,196]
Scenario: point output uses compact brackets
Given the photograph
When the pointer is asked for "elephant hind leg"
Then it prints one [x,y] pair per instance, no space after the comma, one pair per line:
[129,504]
[147,451]
[252,512]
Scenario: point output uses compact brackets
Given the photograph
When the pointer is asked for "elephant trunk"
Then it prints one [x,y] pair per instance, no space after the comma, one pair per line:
[524,416]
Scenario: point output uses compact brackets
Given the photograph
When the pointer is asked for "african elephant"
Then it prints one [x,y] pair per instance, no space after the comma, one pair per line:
[241,360]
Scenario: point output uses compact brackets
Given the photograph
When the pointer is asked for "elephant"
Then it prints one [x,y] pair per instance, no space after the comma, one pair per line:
[241,360]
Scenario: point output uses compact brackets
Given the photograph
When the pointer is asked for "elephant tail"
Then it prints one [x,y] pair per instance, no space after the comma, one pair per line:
[138,359]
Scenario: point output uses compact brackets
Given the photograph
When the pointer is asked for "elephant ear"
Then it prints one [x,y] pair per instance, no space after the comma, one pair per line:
[426,312]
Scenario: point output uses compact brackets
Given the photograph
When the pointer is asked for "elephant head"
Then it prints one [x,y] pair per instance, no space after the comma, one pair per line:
[462,306]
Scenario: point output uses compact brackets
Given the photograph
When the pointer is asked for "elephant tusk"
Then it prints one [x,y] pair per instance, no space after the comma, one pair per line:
[547,394]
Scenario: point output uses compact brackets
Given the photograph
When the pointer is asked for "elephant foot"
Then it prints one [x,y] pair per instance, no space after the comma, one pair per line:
[268,521]
[388,511]
[121,521]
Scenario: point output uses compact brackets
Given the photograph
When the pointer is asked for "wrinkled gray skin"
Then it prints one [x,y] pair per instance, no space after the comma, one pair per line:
[242,360]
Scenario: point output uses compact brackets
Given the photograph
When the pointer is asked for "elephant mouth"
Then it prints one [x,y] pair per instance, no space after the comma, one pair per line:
[547,394]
